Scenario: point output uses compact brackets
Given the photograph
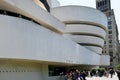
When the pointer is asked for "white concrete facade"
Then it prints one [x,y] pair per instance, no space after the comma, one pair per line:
[28,45]
[53,3]
[82,23]
[27,40]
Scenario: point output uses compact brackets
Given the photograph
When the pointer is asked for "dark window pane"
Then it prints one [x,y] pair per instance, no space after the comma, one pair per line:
[109,27]
[110,32]
[110,22]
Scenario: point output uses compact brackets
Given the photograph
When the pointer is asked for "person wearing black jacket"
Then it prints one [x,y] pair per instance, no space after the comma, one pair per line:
[118,74]
[111,72]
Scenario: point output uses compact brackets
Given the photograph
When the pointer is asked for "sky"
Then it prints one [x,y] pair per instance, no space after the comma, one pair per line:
[115,5]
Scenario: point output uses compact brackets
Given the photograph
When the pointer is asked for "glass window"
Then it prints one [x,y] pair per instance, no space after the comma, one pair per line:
[110,32]
[104,42]
[109,27]
[110,22]
[110,41]
[109,13]
[110,46]
[105,1]
[56,70]
[111,60]
[100,3]
[111,51]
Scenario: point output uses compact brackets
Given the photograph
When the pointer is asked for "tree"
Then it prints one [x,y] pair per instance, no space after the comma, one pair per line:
[118,66]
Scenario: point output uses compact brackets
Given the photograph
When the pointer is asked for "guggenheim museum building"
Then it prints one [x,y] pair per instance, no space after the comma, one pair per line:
[40,39]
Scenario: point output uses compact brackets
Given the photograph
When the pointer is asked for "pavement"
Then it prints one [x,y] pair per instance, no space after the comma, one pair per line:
[103,78]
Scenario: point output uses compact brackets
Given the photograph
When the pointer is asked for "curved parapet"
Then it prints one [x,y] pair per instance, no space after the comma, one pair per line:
[91,42]
[86,26]
[80,14]
[34,12]
[85,29]
[25,40]
[87,40]
[94,48]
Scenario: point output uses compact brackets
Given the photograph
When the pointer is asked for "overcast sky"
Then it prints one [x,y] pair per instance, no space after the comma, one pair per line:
[115,4]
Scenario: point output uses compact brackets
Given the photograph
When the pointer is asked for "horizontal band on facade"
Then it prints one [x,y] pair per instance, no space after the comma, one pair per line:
[9,13]
[86,23]
[87,34]
[13,14]
[89,44]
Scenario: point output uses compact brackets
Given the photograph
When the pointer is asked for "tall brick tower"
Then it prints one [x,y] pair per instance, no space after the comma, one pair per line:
[111,41]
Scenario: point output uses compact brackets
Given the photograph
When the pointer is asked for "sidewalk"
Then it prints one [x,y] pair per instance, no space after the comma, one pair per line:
[103,78]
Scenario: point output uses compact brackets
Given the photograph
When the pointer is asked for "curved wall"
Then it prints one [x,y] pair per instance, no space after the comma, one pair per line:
[85,29]
[87,39]
[94,48]
[80,14]
[35,12]
[87,26]
[23,39]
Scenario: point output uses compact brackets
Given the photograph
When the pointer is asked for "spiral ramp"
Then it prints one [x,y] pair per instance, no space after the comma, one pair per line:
[86,26]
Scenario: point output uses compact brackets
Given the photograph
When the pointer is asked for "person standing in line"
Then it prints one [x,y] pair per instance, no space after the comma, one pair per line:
[118,71]
[118,74]
[70,76]
[111,72]
[84,75]
[66,76]
[76,75]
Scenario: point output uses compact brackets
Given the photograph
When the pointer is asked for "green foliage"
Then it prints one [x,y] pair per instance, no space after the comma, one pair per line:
[94,70]
[102,69]
[118,66]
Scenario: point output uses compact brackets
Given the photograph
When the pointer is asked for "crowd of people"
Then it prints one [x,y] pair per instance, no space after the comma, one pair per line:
[81,75]
[76,75]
